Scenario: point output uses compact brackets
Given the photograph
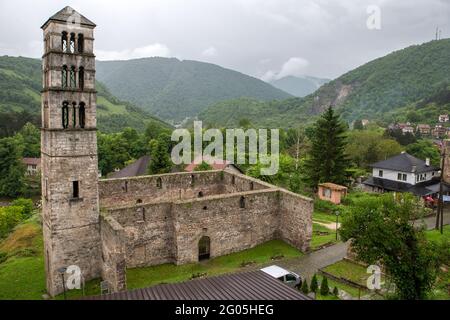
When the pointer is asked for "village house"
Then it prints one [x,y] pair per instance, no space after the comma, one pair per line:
[444,118]
[424,129]
[331,192]
[33,166]
[404,173]
[365,122]
[214,163]
[408,129]
[439,131]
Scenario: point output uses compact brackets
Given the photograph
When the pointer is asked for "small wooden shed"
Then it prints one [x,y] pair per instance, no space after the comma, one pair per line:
[332,192]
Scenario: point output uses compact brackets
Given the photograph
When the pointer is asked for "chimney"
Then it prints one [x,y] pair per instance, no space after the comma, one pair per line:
[427,162]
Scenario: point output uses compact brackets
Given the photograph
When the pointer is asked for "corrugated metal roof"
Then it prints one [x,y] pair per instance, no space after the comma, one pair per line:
[254,285]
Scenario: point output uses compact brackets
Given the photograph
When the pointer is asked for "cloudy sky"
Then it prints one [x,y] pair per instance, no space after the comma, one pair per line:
[267,39]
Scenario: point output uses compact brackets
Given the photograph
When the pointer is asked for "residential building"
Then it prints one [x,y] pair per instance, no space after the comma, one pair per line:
[404,173]
[408,129]
[216,164]
[424,129]
[331,192]
[33,165]
[439,131]
[444,118]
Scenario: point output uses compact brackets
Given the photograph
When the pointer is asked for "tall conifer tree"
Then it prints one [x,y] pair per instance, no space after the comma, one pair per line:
[327,161]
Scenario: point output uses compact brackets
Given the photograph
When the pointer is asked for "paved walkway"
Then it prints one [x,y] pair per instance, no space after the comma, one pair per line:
[431,220]
[310,263]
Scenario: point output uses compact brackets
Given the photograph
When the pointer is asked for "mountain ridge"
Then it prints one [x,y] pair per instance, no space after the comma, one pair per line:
[377,90]
[176,89]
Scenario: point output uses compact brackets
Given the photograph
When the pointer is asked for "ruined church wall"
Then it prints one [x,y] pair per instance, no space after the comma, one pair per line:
[240,183]
[113,253]
[230,227]
[148,230]
[127,191]
[296,219]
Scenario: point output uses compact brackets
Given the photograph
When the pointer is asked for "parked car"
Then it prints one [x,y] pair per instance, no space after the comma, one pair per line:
[288,277]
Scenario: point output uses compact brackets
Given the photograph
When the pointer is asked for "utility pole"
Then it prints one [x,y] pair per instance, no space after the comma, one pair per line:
[440,210]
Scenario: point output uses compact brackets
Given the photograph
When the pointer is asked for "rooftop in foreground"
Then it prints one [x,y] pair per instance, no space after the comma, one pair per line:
[254,285]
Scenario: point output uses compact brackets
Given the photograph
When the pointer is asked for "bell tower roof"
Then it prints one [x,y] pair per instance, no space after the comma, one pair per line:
[69,15]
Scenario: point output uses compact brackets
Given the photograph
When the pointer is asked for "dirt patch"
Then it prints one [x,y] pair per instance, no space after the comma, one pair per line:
[25,236]
[331,225]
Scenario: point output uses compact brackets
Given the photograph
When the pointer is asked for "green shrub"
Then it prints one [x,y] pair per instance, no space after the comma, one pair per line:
[325,206]
[324,289]
[9,218]
[27,205]
[3,256]
[335,291]
[314,285]
[305,288]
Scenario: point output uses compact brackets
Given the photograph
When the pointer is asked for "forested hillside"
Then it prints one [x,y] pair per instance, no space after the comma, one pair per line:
[174,89]
[386,89]
[20,100]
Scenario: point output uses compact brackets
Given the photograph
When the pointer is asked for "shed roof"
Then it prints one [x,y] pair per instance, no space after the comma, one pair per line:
[254,285]
[333,186]
[32,161]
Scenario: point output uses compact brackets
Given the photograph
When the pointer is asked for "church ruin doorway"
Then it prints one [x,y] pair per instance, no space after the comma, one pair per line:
[204,248]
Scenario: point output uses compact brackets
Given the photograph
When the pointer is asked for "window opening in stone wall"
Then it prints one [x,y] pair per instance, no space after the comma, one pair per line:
[80,43]
[242,202]
[72,43]
[64,77]
[72,77]
[233,180]
[200,194]
[82,115]
[138,201]
[74,114]
[65,115]
[64,41]
[159,183]
[81,78]
[125,186]
[75,189]
[252,186]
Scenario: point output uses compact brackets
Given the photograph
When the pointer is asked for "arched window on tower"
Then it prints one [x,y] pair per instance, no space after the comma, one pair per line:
[81,78]
[74,114]
[82,115]
[64,41]
[64,77]
[72,77]
[65,115]
[72,43]
[80,43]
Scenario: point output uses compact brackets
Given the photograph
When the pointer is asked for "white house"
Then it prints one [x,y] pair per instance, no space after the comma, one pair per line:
[404,173]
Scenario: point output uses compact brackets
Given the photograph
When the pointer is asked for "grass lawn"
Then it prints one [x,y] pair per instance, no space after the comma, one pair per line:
[322,235]
[324,217]
[169,273]
[435,235]
[349,270]
[22,275]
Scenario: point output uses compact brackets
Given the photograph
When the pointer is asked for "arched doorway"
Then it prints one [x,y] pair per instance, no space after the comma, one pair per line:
[204,248]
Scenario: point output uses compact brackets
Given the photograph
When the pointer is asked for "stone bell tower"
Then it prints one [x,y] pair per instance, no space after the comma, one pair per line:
[70,206]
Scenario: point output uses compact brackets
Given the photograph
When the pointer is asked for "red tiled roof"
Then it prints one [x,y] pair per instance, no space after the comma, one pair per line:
[32,161]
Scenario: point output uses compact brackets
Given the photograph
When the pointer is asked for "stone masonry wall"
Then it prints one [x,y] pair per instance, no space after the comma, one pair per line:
[113,253]
[296,219]
[148,231]
[229,226]
[129,191]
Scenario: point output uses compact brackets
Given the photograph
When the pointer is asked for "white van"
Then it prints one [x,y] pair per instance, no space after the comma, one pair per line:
[290,278]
